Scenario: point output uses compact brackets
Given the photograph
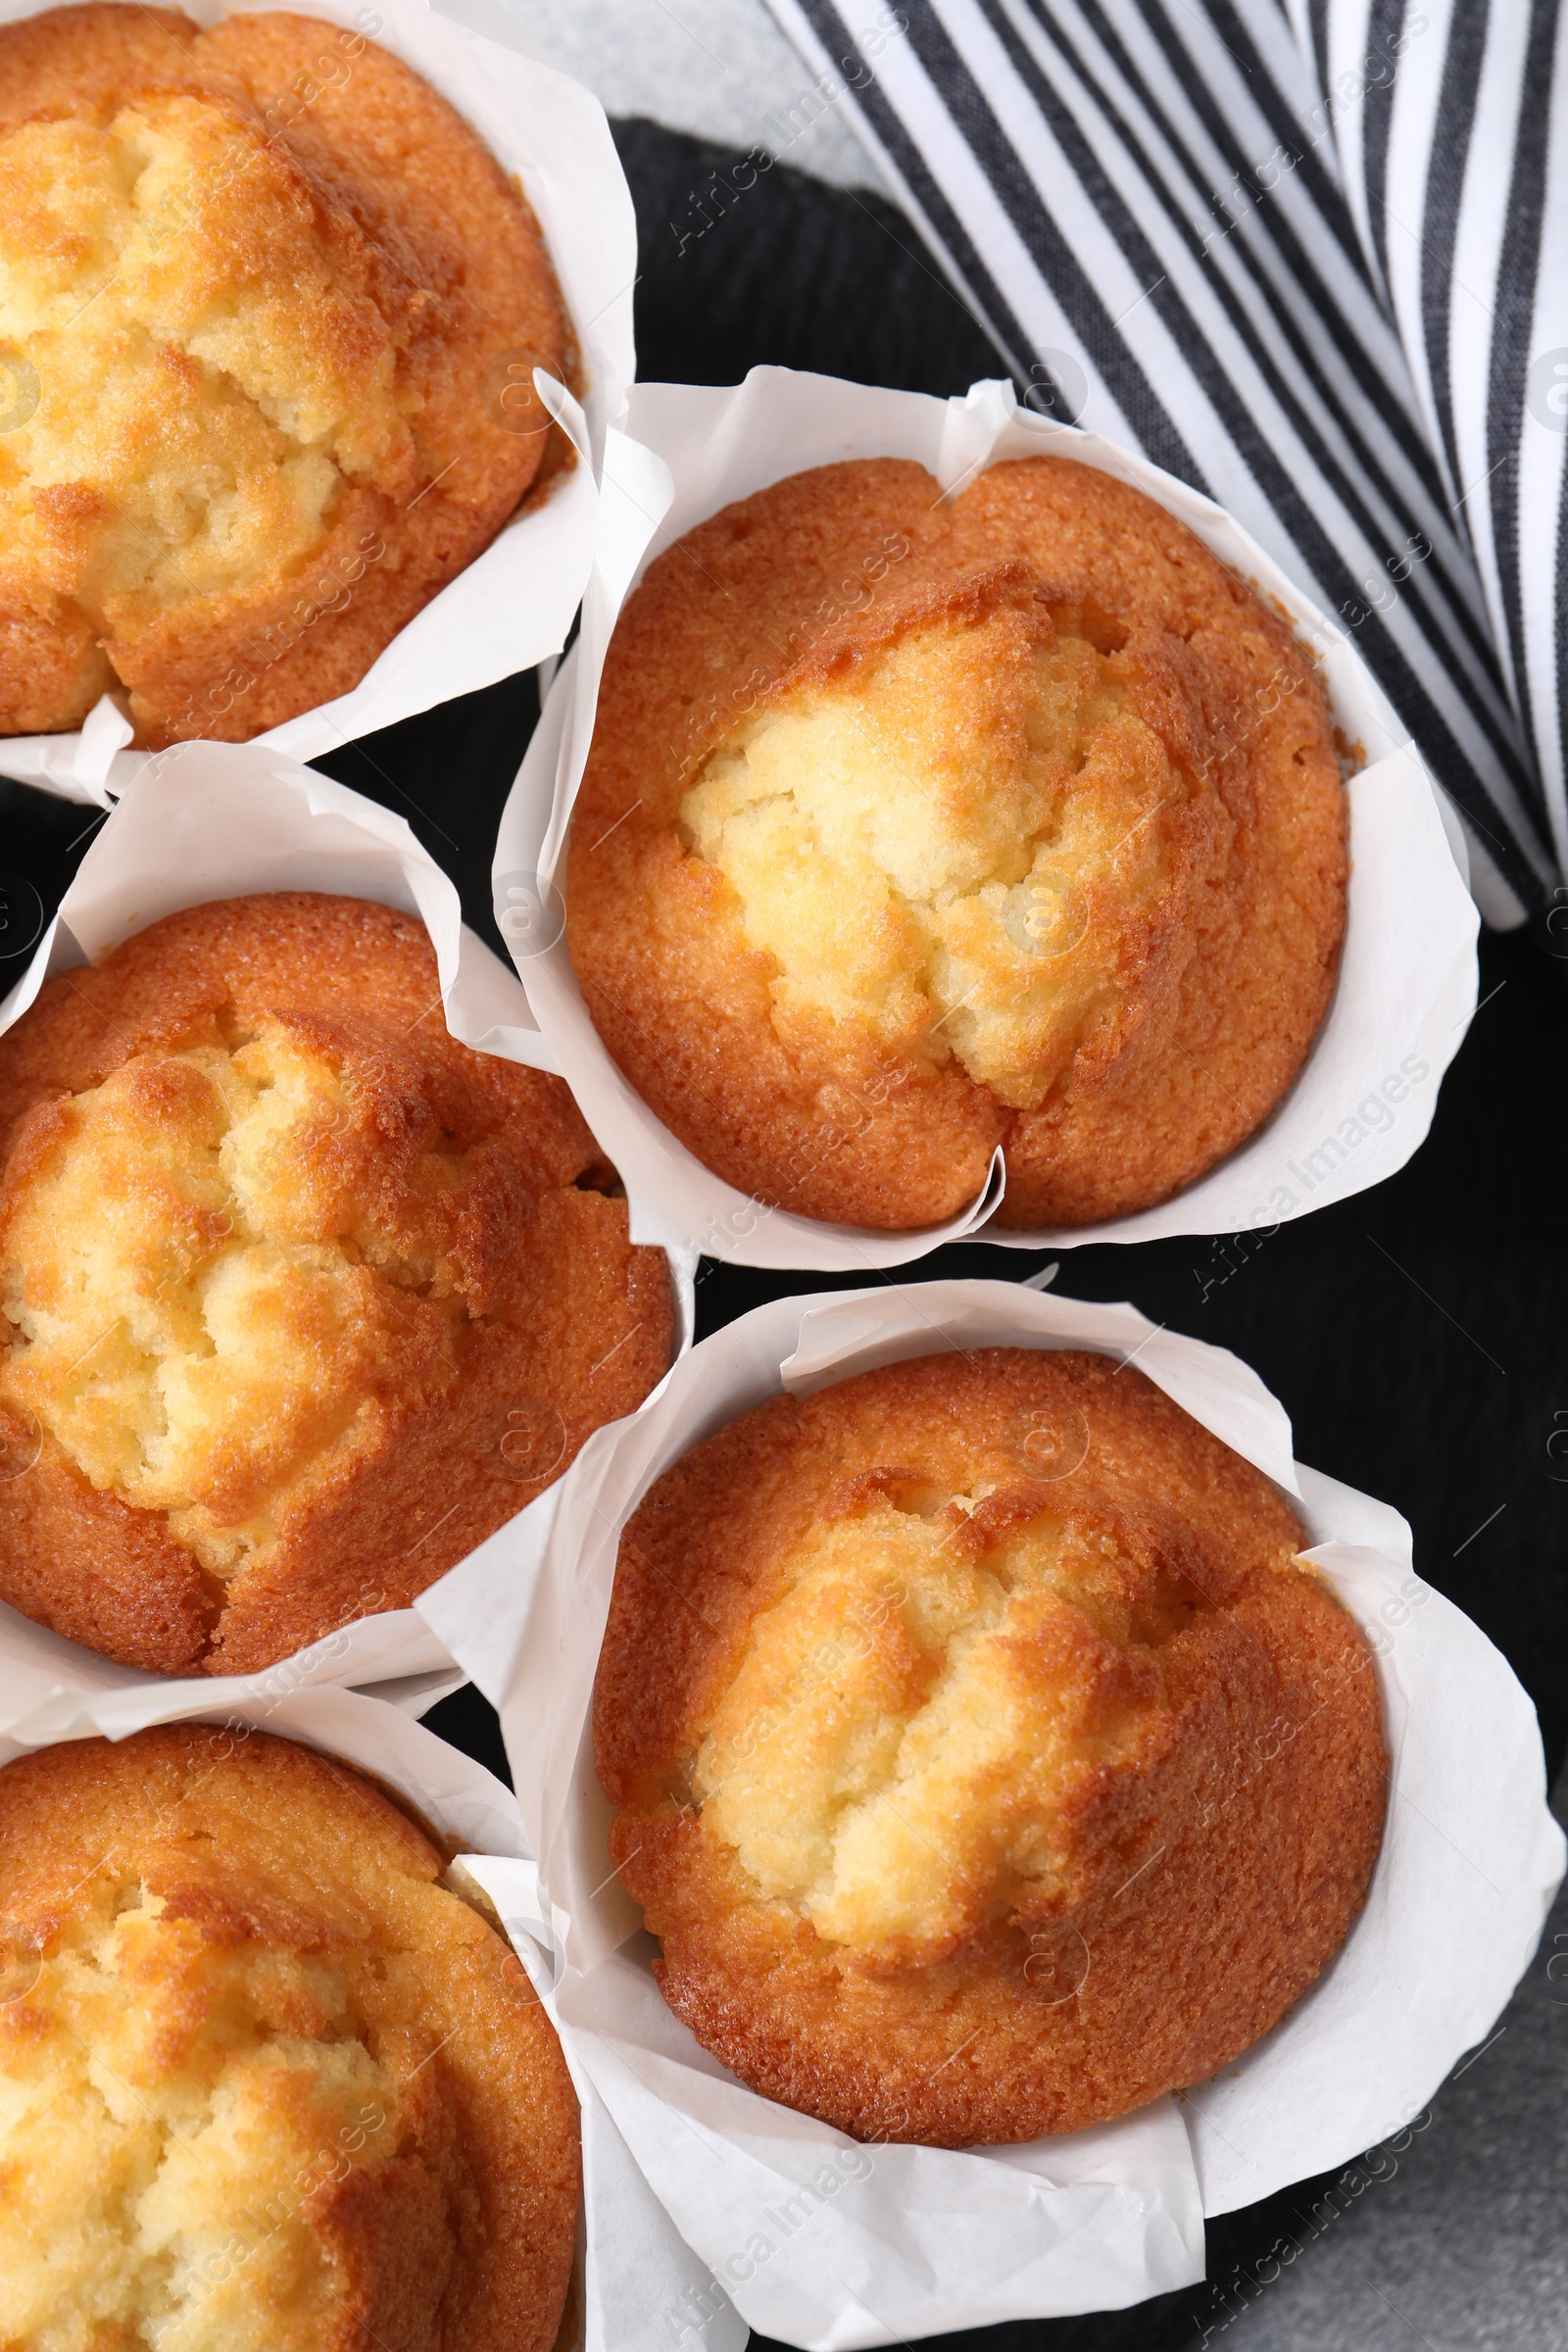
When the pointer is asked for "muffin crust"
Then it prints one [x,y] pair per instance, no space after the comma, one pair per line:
[915,827]
[303,1298]
[269,2086]
[983,1757]
[271,311]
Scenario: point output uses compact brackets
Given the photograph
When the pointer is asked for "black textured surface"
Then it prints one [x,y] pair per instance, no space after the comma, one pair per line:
[448,771]
[472,1723]
[744,266]
[1415,1334]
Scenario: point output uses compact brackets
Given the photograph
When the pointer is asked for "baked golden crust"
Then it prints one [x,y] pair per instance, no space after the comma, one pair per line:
[913,827]
[268,2085]
[983,1757]
[303,1298]
[276,310]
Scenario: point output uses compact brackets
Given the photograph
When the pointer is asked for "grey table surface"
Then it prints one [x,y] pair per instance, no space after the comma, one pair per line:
[719,69]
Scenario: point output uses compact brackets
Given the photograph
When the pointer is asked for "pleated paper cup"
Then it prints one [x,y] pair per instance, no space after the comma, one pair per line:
[1365,1096]
[208,822]
[513,606]
[831,2245]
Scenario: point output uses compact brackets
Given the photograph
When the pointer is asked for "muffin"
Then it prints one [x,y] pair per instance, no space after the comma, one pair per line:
[268,317]
[300,1298]
[918,826]
[983,1755]
[268,2084]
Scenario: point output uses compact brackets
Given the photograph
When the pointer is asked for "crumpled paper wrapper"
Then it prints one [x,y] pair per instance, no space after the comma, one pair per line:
[513,606]
[204,821]
[1364,1098]
[629,2248]
[830,2245]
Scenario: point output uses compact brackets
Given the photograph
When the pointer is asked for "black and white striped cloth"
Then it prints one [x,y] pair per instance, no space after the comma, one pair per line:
[1315,260]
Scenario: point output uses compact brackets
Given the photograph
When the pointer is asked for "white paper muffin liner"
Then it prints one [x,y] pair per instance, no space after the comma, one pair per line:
[628,2248]
[1364,1098]
[513,606]
[206,821]
[830,2245]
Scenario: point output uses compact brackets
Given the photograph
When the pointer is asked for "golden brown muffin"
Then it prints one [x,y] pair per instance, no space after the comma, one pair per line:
[915,826]
[267,2084]
[984,1757]
[268,311]
[303,1298]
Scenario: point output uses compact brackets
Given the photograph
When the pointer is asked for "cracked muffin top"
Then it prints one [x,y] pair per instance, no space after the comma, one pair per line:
[269,313]
[298,1298]
[983,1756]
[266,2084]
[918,826]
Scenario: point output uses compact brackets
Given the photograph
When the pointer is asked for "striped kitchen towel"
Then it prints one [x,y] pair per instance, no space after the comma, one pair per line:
[1311,257]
